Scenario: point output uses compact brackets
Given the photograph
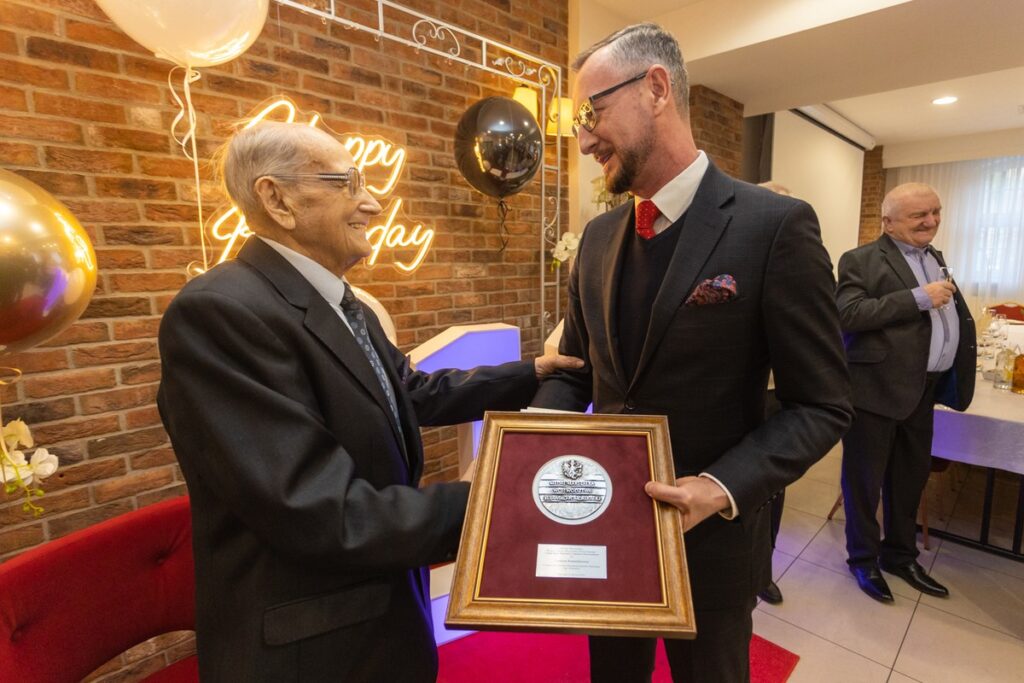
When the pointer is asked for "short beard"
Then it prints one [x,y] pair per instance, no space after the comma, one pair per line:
[631,159]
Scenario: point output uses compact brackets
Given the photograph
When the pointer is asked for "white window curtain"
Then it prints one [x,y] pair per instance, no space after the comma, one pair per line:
[982,231]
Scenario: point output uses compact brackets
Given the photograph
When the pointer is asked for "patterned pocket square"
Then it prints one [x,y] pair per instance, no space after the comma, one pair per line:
[715,290]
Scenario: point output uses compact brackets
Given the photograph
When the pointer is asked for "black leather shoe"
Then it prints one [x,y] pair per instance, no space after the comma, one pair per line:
[772,595]
[871,582]
[914,574]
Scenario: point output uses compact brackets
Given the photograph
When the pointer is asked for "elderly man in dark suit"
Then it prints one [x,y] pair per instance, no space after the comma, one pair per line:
[910,342]
[680,302]
[296,424]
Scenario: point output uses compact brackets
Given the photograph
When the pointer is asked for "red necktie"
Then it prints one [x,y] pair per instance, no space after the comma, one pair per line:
[646,214]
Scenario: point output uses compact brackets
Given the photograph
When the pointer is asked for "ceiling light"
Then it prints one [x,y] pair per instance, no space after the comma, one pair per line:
[948,99]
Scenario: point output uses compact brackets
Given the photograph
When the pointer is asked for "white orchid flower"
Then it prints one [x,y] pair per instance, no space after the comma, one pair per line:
[43,463]
[16,432]
[565,247]
[16,466]
[17,472]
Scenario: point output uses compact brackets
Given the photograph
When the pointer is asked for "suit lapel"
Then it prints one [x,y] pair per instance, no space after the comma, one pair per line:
[610,270]
[323,322]
[320,319]
[702,228]
[894,257]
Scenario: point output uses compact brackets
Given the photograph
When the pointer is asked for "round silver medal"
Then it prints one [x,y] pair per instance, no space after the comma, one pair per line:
[572,489]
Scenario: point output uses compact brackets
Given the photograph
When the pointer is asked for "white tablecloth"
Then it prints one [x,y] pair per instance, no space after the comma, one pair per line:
[1015,335]
[990,433]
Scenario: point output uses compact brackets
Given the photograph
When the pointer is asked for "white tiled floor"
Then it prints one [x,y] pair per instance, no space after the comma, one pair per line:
[976,635]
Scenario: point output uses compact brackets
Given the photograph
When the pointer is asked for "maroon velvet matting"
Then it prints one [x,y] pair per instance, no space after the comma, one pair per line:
[556,658]
[627,528]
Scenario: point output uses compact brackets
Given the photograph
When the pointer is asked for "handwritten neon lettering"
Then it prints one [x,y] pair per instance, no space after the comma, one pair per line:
[230,229]
[375,153]
[396,236]
[230,235]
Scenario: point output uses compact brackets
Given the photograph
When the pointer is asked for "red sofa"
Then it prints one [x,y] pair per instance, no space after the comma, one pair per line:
[71,605]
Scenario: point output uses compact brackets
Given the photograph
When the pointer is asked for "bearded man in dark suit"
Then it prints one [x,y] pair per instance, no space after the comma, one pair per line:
[296,424]
[910,341]
[680,302]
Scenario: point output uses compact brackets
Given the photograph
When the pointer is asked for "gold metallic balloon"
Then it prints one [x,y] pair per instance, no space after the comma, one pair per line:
[47,265]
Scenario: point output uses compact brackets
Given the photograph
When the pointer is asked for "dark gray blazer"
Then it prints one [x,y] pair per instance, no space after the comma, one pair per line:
[310,533]
[887,337]
[706,367]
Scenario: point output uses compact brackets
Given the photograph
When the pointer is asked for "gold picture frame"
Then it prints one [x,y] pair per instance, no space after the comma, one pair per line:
[493,588]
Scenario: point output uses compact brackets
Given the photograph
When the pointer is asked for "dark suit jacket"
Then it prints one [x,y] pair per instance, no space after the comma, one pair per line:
[706,367]
[887,337]
[309,529]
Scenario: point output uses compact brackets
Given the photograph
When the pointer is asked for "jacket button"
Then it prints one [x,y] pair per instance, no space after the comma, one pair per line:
[629,406]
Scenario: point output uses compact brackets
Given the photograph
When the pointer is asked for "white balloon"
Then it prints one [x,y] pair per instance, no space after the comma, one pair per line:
[192,33]
[382,313]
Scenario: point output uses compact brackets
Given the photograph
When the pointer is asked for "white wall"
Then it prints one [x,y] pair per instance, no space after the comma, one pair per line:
[998,143]
[711,27]
[824,171]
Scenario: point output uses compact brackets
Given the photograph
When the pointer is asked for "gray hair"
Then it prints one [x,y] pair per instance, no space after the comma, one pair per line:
[895,196]
[641,46]
[267,148]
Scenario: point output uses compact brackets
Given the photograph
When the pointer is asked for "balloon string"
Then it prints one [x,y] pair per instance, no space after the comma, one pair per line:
[503,229]
[188,146]
[185,109]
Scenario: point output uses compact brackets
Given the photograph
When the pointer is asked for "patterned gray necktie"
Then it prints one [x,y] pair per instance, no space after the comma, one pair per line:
[941,310]
[354,315]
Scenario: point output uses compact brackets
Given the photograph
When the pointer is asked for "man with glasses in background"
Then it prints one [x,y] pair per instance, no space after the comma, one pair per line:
[296,424]
[679,302]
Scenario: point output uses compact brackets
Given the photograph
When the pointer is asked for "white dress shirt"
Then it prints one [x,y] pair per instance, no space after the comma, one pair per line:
[675,197]
[327,284]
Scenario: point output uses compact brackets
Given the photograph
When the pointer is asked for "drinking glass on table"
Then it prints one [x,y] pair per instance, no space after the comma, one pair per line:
[998,328]
[1003,376]
[983,321]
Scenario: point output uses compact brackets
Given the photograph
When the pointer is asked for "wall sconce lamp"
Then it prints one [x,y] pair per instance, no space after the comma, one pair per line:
[526,97]
[559,116]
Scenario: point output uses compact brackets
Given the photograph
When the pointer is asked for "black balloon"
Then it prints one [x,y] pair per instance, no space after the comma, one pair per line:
[498,146]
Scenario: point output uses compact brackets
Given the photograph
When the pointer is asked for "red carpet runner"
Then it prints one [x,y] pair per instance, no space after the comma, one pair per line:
[542,658]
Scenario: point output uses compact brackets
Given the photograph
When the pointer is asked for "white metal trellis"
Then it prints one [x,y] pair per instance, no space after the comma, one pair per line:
[437,37]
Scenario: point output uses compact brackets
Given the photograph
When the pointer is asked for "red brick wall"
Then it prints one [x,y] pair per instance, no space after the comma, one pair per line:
[85,112]
[872,193]
[717,123]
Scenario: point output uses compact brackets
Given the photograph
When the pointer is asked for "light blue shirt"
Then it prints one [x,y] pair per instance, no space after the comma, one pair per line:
[945,323]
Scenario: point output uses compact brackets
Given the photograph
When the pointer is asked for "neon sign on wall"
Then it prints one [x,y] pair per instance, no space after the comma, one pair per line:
[229,229]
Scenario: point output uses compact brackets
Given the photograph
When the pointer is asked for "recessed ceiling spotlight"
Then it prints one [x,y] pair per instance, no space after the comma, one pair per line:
[949,99]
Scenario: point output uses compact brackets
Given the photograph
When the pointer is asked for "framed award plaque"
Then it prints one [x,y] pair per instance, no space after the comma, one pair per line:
[560,535]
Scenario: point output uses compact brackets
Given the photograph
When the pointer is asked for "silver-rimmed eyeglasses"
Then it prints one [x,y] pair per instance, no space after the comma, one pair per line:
[586,116]
[352,178]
